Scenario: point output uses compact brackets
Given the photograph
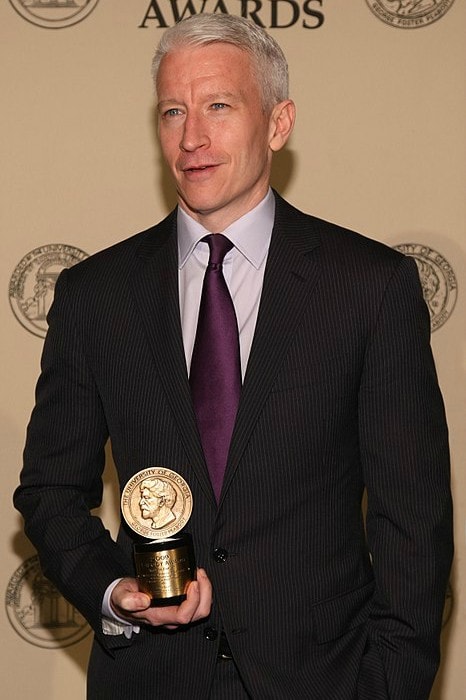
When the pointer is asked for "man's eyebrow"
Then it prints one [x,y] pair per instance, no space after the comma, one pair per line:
[219,96]
[171,101]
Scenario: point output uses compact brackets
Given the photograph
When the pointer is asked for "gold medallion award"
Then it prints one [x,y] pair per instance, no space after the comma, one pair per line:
[156,503]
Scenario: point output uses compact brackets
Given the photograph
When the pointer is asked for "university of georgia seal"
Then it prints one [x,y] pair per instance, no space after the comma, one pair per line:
[33,281]
[437,279]
[54,14]
[409,14]
[39,613]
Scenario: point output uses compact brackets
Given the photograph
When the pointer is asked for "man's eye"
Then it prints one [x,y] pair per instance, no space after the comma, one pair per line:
[172,112]
[217,106]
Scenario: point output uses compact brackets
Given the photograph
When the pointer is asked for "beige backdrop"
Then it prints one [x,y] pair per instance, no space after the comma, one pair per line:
[379,147]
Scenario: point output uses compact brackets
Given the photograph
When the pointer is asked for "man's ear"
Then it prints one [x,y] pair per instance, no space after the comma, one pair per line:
[282,122]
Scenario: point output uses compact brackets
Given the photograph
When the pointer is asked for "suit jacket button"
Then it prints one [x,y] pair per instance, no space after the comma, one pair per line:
[210,633]
[220,555]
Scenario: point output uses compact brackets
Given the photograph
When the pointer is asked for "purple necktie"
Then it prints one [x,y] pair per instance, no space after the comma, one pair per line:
[215,375]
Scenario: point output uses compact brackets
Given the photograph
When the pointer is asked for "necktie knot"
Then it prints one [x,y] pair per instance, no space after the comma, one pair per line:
[219,245]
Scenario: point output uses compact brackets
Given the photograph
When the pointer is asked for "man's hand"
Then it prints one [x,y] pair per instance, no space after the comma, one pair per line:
[128,602]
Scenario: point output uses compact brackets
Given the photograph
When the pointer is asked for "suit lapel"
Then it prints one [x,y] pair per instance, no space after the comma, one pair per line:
[291,273]
[155,289]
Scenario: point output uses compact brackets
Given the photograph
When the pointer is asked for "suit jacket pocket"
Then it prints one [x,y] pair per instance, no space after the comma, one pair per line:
[333,617]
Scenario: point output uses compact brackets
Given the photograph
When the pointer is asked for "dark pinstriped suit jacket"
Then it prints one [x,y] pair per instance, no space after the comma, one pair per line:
[340,394]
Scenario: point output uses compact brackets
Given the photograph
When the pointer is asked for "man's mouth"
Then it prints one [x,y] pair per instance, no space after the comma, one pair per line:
[198,167]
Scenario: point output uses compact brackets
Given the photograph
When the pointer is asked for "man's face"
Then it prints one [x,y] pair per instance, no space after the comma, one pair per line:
[214,134]
[149,503]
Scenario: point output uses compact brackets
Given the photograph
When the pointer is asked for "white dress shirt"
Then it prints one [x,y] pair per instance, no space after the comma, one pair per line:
[243,269]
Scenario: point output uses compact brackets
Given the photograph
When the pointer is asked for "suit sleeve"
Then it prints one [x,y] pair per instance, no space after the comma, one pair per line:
[61,478]
[405,457]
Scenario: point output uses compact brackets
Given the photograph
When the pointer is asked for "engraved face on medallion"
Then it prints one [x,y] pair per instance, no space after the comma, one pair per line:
[156,503]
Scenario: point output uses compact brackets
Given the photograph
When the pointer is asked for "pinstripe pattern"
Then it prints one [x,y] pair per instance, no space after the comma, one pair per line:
[340,393]
[227,684]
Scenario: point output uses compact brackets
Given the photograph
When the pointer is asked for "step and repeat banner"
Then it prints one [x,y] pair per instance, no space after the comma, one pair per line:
[379,147]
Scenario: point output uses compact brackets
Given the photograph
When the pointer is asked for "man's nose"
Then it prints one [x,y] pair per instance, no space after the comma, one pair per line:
[194,134]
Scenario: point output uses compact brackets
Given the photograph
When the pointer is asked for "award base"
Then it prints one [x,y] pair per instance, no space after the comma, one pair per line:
[165,568]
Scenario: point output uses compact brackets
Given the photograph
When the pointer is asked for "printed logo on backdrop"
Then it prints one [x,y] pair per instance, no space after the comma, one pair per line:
[438,281]
[39,613]
[54,14]
[270,14]
[409,14]
[33,282]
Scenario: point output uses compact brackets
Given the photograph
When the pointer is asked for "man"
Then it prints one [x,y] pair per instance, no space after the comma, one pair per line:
[339,394]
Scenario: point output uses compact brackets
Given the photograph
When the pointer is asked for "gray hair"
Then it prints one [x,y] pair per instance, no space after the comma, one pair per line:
[160,489]
[271,68]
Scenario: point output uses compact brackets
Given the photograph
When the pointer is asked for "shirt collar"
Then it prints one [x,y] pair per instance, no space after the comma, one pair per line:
[250,234]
